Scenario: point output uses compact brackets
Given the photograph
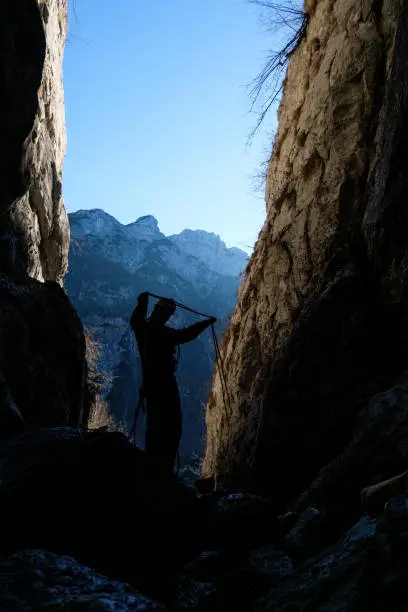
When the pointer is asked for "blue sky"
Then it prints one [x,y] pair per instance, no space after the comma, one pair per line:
[158,113]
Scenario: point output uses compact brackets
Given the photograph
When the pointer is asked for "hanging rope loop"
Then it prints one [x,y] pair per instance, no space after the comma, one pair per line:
[183,306]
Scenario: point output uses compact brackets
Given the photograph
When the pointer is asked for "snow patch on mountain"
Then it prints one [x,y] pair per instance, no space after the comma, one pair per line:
[144,228]
[189,253]
[212,251]
[94,222]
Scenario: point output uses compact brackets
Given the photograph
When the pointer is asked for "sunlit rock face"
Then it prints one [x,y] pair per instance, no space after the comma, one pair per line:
[34,229]
[319,325]
[212,251]
[43,374]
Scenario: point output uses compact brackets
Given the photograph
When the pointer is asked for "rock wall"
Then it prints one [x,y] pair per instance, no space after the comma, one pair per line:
[42,357]
[43,373]
[34,230]
[319,326]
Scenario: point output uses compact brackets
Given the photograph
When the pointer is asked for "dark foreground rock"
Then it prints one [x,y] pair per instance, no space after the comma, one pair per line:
[343,578]
[239,522]
[378,450]
[308,536]
[42,356]
[88,524]
[35,580]
[367,569]
[95,497]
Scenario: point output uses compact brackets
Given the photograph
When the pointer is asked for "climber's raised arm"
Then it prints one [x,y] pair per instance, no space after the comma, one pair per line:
[187,334]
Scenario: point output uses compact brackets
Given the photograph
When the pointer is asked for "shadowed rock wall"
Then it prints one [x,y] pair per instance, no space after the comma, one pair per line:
[42,350]
[320,324]
[34,230]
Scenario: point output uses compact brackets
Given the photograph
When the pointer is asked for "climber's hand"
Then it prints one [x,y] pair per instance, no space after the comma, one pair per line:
[143,297]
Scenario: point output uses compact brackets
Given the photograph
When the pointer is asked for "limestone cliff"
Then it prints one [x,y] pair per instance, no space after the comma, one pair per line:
[42,348]
[319,326]
[34,230]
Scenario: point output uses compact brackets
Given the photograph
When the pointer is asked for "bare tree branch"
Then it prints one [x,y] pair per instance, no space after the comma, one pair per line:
[284,15]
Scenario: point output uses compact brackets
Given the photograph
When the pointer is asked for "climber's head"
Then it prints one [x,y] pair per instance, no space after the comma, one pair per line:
[163,310]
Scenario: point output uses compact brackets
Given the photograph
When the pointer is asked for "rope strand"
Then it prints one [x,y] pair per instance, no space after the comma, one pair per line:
[221,373]
[220,364]
[160,297]
[219,361]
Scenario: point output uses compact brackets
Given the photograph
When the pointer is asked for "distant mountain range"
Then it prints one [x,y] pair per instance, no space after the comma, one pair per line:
[110,264]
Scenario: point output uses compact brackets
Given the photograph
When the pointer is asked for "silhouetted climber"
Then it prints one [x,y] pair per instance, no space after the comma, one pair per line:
[157,348]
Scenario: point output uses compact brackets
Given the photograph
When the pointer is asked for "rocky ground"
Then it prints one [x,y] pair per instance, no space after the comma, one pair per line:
[91,526]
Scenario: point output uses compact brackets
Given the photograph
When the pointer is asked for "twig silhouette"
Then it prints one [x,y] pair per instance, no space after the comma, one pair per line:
[284,15]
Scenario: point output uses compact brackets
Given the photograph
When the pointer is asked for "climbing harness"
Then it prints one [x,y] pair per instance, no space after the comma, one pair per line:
[220,367]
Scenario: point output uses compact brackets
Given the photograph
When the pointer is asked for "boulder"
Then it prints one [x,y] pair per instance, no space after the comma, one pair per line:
[308,537]
[377,451]
[35,580]
[43,372]
[95,497]
[193,595]
[209,565]
[373,498]
[270,562]
[287,521]
[347,576]
[240,521]
[396,520]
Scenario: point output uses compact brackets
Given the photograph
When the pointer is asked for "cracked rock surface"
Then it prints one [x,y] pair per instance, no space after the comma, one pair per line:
[319,327]
[34,230]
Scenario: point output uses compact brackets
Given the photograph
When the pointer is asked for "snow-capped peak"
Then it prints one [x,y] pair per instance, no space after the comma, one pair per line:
[209,247]
[144,227]
[128,244]
[95,221]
